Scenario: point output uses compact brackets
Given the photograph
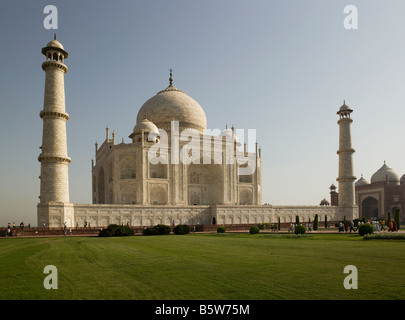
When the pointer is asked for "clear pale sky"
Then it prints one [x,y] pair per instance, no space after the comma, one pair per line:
[280,67]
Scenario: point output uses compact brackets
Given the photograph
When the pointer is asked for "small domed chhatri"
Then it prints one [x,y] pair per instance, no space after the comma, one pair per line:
[345,107]
[55,45]
[173,104]
[228,133]
[145,125]
[324,202]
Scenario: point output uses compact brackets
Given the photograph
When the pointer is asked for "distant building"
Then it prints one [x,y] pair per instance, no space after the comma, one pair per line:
[382,194]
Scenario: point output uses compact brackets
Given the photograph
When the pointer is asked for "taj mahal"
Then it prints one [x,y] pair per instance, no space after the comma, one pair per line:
[174,170]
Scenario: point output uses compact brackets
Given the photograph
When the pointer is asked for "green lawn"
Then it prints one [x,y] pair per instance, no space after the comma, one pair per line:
[202,267]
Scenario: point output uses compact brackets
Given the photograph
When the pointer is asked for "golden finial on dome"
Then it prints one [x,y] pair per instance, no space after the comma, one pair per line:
[171,77]
[54,36]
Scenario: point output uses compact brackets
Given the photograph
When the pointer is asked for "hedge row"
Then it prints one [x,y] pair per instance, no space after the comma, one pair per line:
[114,230]
[384,236]
[162,229]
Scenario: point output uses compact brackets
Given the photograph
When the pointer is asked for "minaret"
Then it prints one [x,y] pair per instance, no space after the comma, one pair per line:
[54,159]
[346,177]
[333,196]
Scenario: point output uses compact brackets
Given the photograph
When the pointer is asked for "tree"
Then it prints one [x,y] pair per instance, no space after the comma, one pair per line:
[316,222]
[279,224]
[297,220]
[398,217]
[326,221]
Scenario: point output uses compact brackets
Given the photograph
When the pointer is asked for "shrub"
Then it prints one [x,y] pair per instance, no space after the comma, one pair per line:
[114,230]
[300,229]
[265,225]
[162,229]
[159,229]
[124,231]
[221,229]
[254,230]
[105,233]
[181,229]
[366,228]
[316,222]
[326,221]
[150,231]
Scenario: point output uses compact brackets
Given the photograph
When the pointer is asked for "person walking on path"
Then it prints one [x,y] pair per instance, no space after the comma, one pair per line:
[351,224]
[382,223]
[391,227]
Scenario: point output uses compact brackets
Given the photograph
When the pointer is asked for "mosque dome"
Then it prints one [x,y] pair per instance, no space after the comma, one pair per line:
[361,182]
[173,104]
[402,180]
[385,173]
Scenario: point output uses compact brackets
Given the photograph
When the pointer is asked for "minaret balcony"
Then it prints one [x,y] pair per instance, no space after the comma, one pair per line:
[55,65]
[53,114]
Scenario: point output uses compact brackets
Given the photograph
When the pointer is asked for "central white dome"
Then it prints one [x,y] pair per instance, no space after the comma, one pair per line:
[173,104]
